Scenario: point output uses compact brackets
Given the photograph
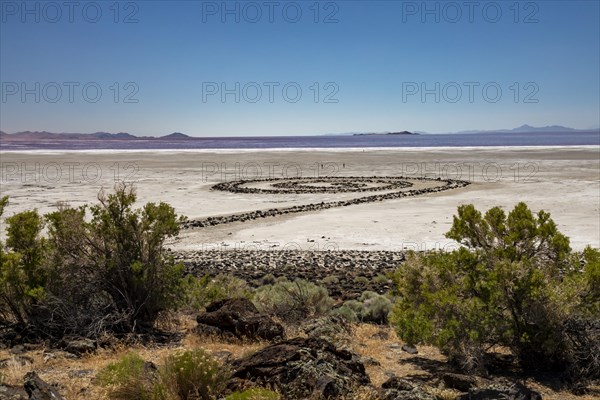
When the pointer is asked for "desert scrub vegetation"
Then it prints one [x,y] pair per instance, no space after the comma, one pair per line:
[22,274]
[267,279]
[200,292]
[381,278]
[515,283]
[101,268]
[129,378]
[330,280]
[370,307]
[293,301]
[192,374]
[254,394]
[184,375]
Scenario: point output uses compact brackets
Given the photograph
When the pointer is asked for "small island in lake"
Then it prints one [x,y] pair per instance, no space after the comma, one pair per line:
[385,133]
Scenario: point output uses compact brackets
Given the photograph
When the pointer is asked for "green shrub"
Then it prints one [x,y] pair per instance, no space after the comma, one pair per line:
[375,308]
[185,375]
[330,280]
[370,307]
[381,279]
[361,280]
[345,312]
[588,283]
[192,374]
[129,378]
[293,301]
[267,279]
[107,271]
[22,273]
[515,284]
[130,365]
[123,276]
[200,292]
[254,394]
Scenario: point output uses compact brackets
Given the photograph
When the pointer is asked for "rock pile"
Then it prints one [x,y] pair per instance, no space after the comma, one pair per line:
[316,185]
[511,391]
[238,318]
[348,272]
[34,388]
[302,368]
[396,182]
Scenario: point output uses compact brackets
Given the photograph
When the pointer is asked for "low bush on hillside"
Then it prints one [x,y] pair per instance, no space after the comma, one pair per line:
[370,307]
[129,378]
[330,280]
[23,275]
[192,374]
[185,375]
[267,279]
[381,278]
[293,302]
[101,268]
[254,394]
[200,292]
[515,283]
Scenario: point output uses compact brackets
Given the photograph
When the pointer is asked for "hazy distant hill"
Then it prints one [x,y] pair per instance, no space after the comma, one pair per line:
[385,133]
[176,136]
[520,129]
[106,135]
[552,128]
[43,135]
[528,128]
[29,135]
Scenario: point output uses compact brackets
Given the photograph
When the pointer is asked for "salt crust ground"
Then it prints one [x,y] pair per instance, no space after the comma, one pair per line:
[564,181]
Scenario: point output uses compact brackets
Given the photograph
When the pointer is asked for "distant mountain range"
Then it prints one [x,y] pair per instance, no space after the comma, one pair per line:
[28,135]
[521,129]
[385,133]
[530,129]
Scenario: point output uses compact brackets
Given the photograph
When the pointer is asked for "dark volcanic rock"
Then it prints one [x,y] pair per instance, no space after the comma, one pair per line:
[397,384]
[12,393]
[241,318]
[208,330]
[459,382]
[18,349]
[416,394]
[403,389]
[37,389]
[302,368]
[369,361]
[331,328]
[410,349]
[516,391]
[80,346]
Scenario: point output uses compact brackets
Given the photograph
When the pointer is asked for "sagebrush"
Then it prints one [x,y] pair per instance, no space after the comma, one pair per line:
[515,283]
[101,268]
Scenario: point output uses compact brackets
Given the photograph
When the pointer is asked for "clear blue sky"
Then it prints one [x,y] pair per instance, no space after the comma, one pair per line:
[375,61]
